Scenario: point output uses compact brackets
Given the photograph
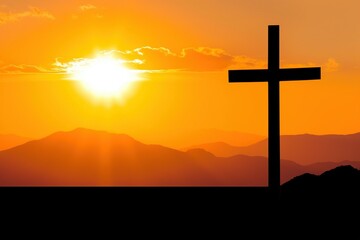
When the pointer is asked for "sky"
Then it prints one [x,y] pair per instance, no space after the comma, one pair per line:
[183,49]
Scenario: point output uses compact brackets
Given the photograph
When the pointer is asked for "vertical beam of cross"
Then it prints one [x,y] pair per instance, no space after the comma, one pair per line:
[273,75]
[274,108]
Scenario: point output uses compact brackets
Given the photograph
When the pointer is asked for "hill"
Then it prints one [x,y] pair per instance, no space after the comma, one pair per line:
[93,158]
[340,183]
[303,149]
[8,141]
[86,157]
[193,138]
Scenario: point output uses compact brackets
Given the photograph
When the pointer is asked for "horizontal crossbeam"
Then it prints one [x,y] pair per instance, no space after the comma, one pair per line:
[285,74]
[248,75]
[291,74]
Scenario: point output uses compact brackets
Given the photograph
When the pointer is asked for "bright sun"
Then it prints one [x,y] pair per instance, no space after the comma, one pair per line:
[103,77]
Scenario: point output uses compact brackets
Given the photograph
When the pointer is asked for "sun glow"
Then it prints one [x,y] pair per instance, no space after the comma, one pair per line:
[104,77]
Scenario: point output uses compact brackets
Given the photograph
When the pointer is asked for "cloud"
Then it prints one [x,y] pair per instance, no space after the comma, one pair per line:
[244,62]
[86,10]
[331,65]
[299,65]
[31,12]
[87,7]
[23,68]
[202,59]
[189,59]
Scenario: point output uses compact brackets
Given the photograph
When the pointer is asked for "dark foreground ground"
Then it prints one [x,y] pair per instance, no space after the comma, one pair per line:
[338,185]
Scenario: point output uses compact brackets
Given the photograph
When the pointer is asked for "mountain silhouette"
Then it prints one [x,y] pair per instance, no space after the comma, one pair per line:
[94,158]
[342,182]
[180,141]
[220,149]
[303,149]
[86,157]
[9,140]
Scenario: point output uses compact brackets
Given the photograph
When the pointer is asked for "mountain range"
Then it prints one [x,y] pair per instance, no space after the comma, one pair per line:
[86,157]
[9,140]
[302,149]
[197,137]
[94,158]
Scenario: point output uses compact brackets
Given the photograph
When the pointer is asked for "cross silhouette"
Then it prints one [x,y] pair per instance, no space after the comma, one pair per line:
[273,75]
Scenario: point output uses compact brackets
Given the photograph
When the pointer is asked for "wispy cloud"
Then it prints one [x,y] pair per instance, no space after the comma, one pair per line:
[87,10]
[149,58]
[87,7]
[189,59]
[200,59]
[331,65]
[31,12]
[24,68]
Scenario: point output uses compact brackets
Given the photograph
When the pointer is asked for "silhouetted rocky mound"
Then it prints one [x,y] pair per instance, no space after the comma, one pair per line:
[340,183]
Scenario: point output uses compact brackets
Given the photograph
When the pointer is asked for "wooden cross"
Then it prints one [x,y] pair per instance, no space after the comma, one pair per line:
[273,75]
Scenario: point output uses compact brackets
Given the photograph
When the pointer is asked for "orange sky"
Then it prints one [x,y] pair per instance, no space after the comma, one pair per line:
[196,42]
